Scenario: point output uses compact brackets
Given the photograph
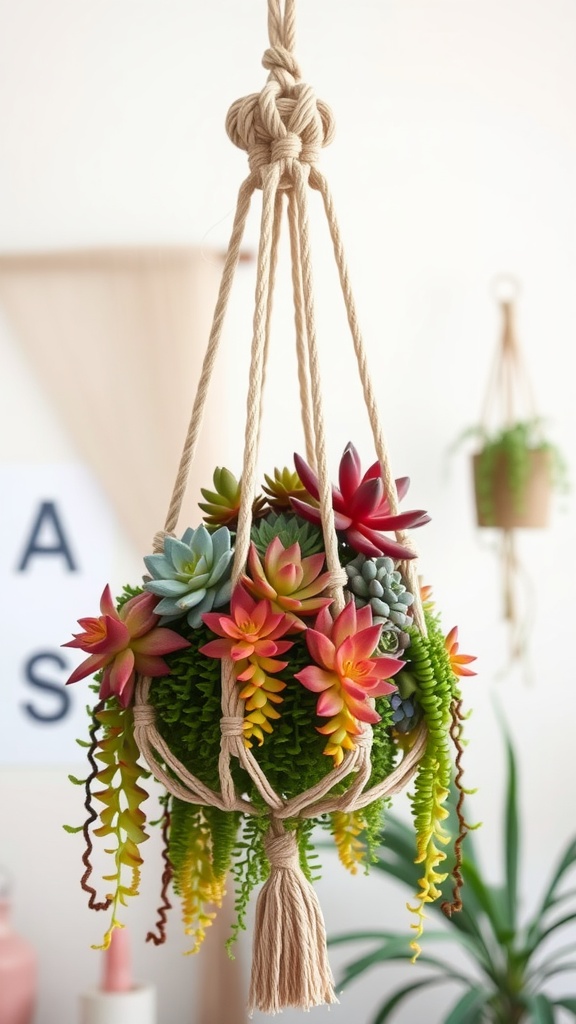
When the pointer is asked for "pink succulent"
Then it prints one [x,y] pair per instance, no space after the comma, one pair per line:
[361,506]
[124,643]
[291,583]
[251,637]
[345,674]
[252,628]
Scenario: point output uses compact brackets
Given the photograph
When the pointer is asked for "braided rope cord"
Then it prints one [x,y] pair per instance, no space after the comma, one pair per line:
[509,394]
[282,128]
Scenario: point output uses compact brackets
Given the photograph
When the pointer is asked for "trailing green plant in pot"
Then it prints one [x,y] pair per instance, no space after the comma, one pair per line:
[509,962]
[516,470]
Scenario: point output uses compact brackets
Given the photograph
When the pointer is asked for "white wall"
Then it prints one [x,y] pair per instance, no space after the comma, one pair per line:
[455,159]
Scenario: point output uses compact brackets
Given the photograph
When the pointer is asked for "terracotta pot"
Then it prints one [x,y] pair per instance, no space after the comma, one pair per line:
[498,505]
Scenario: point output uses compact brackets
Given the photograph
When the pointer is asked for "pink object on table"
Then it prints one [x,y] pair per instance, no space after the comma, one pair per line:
[18,971]
[117,973]
[118,1000]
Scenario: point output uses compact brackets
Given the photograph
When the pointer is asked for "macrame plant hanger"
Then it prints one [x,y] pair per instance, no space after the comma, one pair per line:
[509,398]
[282,128]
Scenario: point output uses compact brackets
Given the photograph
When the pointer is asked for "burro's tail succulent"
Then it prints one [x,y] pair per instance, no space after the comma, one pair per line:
[375,582]
[192,576]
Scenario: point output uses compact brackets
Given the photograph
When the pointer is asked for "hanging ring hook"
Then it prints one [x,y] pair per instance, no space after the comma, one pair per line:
[505,288]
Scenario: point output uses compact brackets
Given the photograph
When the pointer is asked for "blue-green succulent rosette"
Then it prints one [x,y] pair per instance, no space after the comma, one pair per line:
[192,576]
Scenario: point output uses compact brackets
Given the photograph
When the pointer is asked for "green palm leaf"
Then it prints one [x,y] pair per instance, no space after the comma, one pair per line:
[551,896]
[397,997]
[397,949]
[512,958]
[469,1008]
[511,858]
[567,1003]
[541,1009]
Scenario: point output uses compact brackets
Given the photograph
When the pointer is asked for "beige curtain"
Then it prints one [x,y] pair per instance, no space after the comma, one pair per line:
[117,339]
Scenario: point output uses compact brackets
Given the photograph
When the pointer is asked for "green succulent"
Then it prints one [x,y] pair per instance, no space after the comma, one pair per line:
[192,576]
[406,708]
[222,505]
[376,582]
[285,484]
[290,529]
[393,640]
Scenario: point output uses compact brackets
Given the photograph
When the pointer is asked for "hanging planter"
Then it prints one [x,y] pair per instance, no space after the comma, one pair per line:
[516,469]
[279,667]
[513,481]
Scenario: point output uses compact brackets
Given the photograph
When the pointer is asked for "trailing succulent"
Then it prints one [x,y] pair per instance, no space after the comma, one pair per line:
[310,679]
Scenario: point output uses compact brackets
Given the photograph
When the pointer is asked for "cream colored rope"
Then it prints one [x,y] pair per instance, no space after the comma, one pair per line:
[301,345]
[509,395]
[282,128]
[230,265]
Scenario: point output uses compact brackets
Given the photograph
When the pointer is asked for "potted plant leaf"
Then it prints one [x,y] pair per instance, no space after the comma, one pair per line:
[509,960]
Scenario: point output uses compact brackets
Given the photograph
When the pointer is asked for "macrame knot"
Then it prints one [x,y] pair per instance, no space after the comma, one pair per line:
[282,850]
[282,123]
[144,715]
[231,725]
[283,67]
[364,740]
[336,580]
[288,148]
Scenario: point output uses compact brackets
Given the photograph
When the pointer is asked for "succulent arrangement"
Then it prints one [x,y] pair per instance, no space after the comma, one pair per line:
[311,679]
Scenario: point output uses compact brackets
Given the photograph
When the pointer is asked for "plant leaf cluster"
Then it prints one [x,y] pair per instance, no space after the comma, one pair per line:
[509,961]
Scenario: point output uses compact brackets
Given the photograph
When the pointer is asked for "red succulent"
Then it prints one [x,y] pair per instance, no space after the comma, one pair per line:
[123,643]
[361,506]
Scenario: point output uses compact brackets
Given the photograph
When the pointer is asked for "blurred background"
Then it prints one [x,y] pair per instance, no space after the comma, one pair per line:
[454,160]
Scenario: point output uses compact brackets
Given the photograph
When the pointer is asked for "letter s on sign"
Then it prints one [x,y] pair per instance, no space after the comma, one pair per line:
[55,691]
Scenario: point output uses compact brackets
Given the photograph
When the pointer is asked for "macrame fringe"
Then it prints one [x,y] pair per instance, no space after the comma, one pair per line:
[289,956]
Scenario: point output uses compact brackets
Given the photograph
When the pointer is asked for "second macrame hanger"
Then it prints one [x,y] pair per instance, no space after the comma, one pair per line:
[509,394]
[509,398]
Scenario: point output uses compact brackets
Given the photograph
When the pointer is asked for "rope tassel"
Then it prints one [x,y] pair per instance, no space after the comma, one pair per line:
[289,957]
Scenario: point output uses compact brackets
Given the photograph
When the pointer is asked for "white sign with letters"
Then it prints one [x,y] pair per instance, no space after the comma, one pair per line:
[56,542]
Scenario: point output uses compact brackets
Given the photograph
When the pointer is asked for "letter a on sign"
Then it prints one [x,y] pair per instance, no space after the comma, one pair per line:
[47,537]
[57,546]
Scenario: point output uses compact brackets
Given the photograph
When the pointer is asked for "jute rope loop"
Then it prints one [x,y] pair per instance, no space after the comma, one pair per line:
[284,121]
[509,394]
